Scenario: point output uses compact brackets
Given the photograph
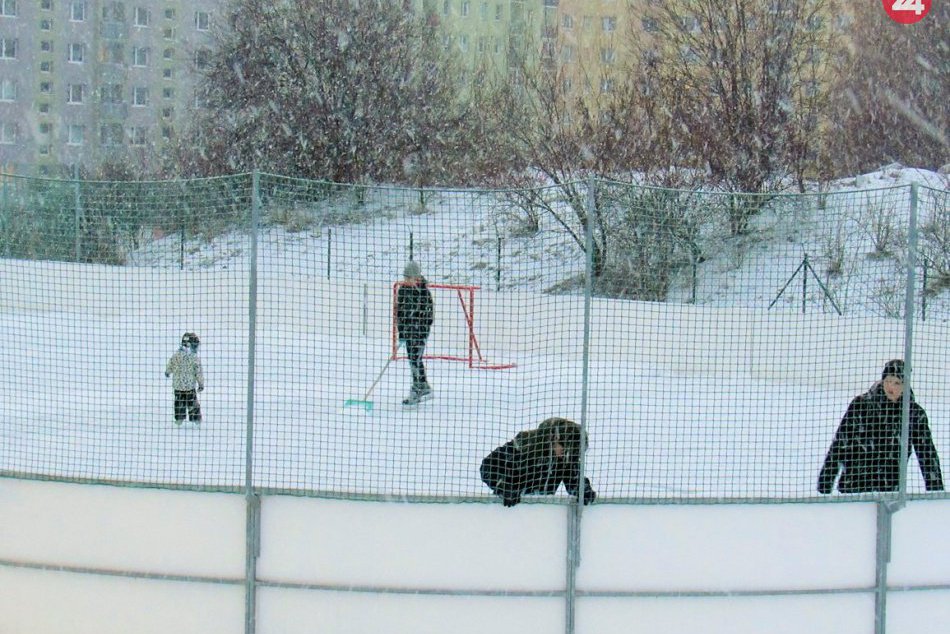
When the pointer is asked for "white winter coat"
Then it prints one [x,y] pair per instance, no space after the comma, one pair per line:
[185,369]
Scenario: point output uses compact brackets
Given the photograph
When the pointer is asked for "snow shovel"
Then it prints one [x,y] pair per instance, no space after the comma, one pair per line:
[364,402]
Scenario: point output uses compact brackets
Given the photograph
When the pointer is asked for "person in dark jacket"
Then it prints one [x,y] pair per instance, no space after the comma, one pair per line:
[414,316]
[866,447]
[538,461]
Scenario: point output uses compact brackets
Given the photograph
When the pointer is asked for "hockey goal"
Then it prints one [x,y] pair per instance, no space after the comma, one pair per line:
[453,336]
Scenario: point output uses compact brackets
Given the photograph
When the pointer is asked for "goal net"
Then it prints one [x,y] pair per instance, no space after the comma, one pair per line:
[454,334]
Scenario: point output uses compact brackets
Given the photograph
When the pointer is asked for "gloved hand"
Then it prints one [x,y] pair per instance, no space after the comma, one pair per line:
[589,496]
[201,388]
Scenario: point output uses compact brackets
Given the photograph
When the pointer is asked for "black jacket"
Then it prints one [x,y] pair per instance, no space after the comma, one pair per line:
[866,446]
[414,311]
[528,464]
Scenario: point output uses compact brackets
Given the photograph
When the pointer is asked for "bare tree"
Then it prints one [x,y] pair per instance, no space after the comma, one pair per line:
[344,90]
[891,102]
[560,138]
[737,76]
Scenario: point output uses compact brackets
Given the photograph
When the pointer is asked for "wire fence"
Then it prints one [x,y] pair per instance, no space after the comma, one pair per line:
[709,343]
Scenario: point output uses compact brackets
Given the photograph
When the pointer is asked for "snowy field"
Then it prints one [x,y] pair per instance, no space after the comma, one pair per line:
[683,403]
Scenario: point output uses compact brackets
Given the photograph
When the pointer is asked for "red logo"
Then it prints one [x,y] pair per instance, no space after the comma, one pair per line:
[907,11]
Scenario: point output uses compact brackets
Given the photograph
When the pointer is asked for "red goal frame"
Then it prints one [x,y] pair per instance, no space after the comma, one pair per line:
[466,297]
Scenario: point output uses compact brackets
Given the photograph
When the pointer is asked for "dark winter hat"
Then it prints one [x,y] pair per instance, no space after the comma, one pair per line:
[894,367]
[412,269]
[565,432]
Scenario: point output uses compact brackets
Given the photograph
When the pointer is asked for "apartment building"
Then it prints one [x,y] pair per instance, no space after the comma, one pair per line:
[585,40]
[84,81]
[593,39]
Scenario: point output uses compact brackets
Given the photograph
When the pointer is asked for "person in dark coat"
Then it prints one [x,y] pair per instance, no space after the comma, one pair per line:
[414,316]
[866,447]
[538,461]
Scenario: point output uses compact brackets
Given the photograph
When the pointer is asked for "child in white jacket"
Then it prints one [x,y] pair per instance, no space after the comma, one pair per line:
[184,367]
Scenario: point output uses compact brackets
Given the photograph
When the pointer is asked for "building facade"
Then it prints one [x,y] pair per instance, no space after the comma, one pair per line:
[84,82]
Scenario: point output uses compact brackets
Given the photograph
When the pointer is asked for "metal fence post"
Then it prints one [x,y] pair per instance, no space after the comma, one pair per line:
[252,521]
[575,510]
[883,555]
[908,342]
[77,214]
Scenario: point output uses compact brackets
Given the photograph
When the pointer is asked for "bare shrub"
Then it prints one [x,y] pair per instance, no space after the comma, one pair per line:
[878,224]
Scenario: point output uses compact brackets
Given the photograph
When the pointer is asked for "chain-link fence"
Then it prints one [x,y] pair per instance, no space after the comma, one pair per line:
[709,343]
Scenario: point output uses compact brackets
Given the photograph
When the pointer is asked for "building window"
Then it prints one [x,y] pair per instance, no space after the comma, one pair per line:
[77,11]
[463,42]
[46,5]
[499,12]
[74,93]
[7,90]
[168,33]
[202,20]
[166,132]
[46,128]
[567,53]
[46,66]
[466,5]
[76,53]
[483,11]
[168,93]
[111,93]
[689,24]
[111,134]
[8,8]
[202,58]
[167,73]
[8,47]
[167,112]
[43,108]
[446,7]
[169,14]
[140,55]
[688,54]
[607,56]
[140,96]
[113,12]
[169,53]
[567,22]
[650,25]
[138,136]
[46,46]
[8,133]
[609,23]
[113,53]
[46,87]
[141,17]
[76,134]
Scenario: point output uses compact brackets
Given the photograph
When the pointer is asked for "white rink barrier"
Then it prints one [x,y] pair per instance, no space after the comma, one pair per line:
[104,559]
